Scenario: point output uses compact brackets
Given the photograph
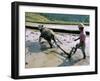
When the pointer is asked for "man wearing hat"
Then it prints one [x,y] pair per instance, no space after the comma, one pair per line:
[82,38]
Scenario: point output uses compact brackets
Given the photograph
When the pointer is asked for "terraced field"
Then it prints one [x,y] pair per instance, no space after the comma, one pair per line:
[41,55]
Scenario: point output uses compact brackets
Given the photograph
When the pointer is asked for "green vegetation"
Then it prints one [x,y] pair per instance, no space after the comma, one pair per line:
[33,17]
[56,18]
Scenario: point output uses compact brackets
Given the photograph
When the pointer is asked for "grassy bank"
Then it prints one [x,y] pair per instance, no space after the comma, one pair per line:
[53,18]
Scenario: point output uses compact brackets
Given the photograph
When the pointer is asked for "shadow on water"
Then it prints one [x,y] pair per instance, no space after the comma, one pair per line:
[72,60]
[44,46]
[32,46]
[35,47]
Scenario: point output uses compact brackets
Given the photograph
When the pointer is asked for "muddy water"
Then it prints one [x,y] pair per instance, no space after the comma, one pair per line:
[56,26]
[41,55]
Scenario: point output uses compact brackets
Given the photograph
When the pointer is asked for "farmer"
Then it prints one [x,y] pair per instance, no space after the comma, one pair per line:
[82,37]
[47,34]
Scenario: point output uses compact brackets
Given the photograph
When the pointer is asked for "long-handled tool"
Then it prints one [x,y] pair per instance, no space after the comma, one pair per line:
[60,47]
[59,41]
[71,51]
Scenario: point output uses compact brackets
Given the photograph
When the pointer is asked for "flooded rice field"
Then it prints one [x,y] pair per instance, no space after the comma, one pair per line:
[56,26]
[41,55]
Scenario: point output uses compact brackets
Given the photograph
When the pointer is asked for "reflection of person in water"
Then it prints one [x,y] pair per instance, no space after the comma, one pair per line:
[47,34]
[82,40]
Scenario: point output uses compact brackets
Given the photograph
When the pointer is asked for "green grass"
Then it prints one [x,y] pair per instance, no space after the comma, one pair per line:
[38,18]
[32,17]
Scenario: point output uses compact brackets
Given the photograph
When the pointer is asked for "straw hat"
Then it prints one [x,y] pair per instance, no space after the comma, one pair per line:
[81,25]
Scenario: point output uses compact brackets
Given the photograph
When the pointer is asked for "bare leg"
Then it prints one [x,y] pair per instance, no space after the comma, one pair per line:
[83,51]
[84,55]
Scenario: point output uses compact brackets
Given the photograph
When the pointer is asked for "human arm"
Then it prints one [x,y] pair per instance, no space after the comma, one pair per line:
[76,39]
